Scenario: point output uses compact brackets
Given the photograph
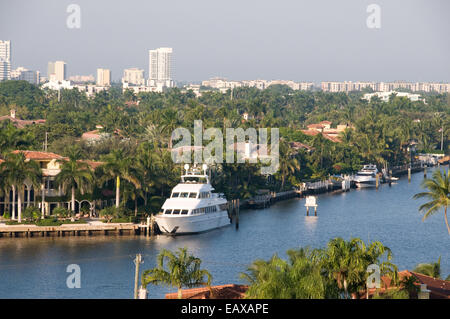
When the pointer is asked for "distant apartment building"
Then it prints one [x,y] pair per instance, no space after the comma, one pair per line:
[302,86]
[82,78]
[23,74]
[56,71]
[90,89]
[159,87]
[348,86]
[133,76]
[103,77]
[223,84]
[160,67]
[259,84]
[5,60]
[384,96]
[57,85]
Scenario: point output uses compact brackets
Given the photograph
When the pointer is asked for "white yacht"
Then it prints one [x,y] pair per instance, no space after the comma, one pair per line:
[192,206]
[366,177]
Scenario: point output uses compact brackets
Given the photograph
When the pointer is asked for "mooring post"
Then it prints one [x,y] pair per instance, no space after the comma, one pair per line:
[137,262]
[311,201]
[377,181]
[409,174]
[425,172]
[237,213]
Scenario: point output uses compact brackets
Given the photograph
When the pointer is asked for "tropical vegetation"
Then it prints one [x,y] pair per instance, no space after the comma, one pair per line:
[136,132]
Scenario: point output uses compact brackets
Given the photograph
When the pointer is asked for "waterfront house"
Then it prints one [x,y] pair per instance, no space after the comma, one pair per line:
[325,129]
[49,195]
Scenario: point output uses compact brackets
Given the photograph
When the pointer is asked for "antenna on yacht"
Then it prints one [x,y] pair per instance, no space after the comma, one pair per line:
[186,167]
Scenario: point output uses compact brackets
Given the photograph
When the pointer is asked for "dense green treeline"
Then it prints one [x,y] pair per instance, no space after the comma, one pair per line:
[141,126]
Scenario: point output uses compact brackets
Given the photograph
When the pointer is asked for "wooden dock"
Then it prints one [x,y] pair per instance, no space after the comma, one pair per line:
[68,230]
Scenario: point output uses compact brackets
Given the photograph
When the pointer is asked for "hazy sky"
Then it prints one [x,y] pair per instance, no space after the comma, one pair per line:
[315,40]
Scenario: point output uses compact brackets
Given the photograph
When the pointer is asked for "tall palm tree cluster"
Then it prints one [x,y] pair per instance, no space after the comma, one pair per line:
[14,172]
[337,271]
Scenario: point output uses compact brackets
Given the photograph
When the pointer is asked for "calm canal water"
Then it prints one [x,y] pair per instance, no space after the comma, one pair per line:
[36,267]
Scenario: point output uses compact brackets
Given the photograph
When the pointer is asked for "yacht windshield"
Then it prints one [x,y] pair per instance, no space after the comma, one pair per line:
[194,180]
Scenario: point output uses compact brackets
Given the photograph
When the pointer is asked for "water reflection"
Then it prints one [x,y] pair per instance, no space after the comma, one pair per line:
[311,223]
[36,267]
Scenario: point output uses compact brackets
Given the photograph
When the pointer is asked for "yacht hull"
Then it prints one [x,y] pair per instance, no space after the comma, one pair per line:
[365,184]
[183,225]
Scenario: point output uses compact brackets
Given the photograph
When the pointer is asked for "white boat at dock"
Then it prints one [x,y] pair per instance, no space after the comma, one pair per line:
[367,176]
[192,206]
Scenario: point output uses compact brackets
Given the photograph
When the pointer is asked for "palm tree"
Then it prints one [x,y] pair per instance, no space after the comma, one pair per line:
[288,163]
[130,192]
[438,193]
[183,271]
[169,123]
[16,170]
[347,262]
[74,174]
[298,278]
[431,269]
[117,165]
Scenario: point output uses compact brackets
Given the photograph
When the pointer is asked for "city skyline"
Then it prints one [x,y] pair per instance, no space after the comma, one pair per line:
[263,41]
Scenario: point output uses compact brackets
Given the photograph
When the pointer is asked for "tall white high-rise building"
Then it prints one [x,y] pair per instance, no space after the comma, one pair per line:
[160,67]
[56,71]
[5,60]
[133,76]
[103,77]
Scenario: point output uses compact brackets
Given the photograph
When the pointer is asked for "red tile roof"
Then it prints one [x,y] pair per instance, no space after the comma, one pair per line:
[36,155]
[319,126]
[298,145]
[230,291]
[334,139]
[92,164]
[310,132]
[21,123]
[439,289]
[91,135]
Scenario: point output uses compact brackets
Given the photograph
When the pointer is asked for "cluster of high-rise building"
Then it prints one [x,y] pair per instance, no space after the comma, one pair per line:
[160,77]
[160,74]
[348,86]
